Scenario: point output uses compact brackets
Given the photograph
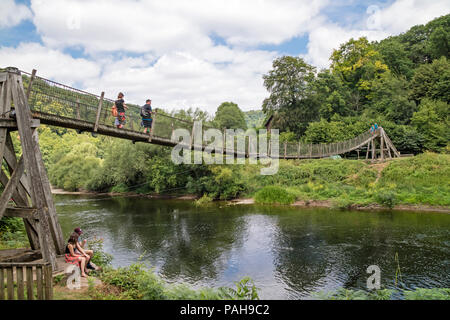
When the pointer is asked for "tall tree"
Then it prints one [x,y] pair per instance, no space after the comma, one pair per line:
[432,81]
[229,116]
[359,65]
[290,84]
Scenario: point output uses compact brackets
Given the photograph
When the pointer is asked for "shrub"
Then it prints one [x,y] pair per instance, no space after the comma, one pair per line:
[274,194]
[386,198]
[204,200]
[100,257]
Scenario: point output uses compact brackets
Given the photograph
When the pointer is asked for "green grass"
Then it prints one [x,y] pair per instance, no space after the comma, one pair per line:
[420,180]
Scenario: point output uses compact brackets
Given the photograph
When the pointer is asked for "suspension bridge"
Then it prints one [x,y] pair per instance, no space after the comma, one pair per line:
[27,100]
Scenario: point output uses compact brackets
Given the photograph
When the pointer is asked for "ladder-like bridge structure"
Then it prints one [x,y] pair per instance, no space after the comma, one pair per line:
[27,100]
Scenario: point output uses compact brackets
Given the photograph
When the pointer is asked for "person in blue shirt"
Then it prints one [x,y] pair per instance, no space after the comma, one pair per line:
[146,114]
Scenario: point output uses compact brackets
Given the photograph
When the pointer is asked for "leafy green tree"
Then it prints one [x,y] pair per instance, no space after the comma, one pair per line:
[439,43]
[333,95]
[432,120]
[359,65]
[432,81]
[229,116]
[391,99]
[395,56]
[290,84]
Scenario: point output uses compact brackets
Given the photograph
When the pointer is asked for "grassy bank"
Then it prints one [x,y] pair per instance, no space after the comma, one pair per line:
[423,180]
[420,180]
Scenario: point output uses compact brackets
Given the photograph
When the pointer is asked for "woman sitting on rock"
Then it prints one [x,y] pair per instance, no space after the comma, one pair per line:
[74,257]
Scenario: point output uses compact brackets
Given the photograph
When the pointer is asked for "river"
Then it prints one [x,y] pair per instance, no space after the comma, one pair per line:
[290,253]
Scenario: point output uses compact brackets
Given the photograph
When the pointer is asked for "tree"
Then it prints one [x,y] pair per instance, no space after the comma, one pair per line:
[391,98]
[359,65]
[229,116]
[432,120]
[396,57]
[333,95]
[439,43]
[432,81]
[290,84]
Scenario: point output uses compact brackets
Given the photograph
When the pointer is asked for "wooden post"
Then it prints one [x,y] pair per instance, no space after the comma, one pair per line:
[368,150]
[99,111]
[299,147]
[48,279]
[19,276]
[39,287]
[9,283]
[152,130]
[373,149]
[30,285]
[192,136]
[33,75]
[2,284]
[382,147]
[23,118]
[285,150]
[78,109]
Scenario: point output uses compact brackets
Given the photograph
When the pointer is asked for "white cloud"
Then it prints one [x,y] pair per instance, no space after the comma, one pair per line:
[181,80]
[12,14]
[162,26]
[173,81]
[404,14]
[50,63]
[400,16]
[175,60]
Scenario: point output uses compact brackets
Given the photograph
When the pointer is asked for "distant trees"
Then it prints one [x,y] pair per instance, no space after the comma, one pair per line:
[229,116]
[402,82]
[290,84]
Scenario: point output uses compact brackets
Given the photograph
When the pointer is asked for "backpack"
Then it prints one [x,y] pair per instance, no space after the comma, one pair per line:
[145,113]
[114,111]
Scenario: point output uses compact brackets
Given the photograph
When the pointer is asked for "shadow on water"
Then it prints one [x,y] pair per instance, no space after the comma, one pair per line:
[289,252]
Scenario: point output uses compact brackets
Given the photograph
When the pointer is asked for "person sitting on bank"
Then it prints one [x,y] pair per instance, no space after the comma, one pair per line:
[146,114]
[121,107]
[72,257]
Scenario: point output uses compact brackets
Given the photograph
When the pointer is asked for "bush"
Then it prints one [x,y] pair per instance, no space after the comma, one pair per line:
[138,282]
[100,257]
[204,200]
[273,194]
[386,198]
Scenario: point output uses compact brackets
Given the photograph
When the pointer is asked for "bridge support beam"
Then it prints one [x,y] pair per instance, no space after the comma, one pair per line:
[27,189]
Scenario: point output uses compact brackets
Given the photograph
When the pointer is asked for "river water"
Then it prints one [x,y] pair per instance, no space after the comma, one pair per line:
[290,253]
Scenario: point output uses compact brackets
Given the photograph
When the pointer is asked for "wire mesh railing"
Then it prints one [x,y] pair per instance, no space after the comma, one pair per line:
[53,98]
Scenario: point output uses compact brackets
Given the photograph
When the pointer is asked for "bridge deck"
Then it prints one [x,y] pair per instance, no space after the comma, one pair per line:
[60,105]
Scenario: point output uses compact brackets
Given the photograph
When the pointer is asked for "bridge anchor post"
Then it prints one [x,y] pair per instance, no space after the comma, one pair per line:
[27,192]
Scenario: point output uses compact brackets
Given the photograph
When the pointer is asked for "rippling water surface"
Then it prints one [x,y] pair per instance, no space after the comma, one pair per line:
[290,253]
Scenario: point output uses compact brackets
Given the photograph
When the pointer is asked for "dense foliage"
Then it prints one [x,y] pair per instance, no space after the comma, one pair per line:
[402,82]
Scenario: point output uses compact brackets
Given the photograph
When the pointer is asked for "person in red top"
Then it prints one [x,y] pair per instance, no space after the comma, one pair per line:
[72,257]
[121,107]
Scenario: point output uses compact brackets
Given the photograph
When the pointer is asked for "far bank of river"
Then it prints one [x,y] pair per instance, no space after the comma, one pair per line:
[249,201]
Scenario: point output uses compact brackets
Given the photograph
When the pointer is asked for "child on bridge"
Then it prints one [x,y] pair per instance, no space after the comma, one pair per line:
[119,113]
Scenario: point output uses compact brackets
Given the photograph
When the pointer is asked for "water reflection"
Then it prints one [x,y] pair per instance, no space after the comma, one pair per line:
[289,252]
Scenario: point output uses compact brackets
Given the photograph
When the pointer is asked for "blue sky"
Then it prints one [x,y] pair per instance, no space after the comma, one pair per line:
[190,54]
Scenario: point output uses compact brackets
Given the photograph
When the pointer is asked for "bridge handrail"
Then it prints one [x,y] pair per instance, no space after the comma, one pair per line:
[62,100]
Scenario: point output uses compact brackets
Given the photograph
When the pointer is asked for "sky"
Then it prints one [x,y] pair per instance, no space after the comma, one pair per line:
[196,53]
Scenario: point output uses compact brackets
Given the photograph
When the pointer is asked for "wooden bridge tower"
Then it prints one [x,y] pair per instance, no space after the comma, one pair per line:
[26,193]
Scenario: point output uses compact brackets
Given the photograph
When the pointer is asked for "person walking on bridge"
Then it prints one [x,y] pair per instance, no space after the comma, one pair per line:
[146,114]
[120,106]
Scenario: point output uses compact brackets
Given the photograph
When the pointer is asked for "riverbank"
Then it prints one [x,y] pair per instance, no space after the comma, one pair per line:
[251,201]
[420,183]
